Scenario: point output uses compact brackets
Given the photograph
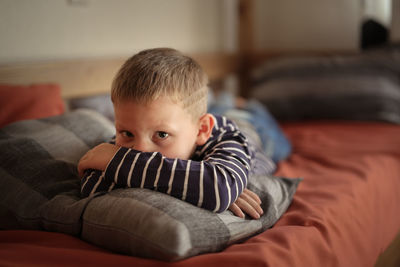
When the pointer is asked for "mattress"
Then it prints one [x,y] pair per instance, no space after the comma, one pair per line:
[345,212]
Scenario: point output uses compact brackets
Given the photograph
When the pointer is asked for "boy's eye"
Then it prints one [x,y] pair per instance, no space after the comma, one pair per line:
[127,134]
[162,135]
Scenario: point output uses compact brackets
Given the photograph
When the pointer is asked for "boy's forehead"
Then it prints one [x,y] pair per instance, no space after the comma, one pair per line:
[149,101]
[162,109]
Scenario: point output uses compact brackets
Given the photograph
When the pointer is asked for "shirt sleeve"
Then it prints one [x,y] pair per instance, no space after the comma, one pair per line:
[93,181]
[213,183]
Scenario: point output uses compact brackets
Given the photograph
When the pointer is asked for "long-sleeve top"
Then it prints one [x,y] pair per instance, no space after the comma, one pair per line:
[212,179]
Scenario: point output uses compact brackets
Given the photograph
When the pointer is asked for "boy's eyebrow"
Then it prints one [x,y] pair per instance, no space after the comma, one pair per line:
[161,126]
[166,126]
[118,125]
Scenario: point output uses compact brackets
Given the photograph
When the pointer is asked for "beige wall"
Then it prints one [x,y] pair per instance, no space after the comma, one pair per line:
[53,29]
[58,29]
[307,24]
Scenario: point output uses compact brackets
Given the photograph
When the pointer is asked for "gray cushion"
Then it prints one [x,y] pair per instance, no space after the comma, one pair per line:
[360,87]
[39,189]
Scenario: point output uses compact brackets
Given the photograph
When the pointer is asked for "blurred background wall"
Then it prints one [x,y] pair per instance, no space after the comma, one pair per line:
[59,29]
[49,29]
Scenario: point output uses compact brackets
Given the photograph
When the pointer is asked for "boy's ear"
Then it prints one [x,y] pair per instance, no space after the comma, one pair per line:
[206,124]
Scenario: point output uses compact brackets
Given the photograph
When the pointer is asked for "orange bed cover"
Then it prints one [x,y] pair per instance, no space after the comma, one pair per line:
[345,212]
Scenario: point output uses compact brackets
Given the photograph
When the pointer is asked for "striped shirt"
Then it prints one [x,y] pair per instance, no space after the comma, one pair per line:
[212,179]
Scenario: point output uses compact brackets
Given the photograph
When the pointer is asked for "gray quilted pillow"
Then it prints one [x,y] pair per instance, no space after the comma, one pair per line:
[39,189]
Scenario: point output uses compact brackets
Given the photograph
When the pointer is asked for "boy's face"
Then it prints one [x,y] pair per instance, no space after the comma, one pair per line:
[158,126]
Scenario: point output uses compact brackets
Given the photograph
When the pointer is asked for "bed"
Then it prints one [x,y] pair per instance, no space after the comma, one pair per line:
[340,113]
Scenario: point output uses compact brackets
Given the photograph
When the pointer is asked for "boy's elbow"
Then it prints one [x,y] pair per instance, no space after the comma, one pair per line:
[85,191]
[217,204]
[223,203]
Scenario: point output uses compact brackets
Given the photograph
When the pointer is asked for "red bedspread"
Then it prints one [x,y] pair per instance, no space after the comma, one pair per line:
[345,212]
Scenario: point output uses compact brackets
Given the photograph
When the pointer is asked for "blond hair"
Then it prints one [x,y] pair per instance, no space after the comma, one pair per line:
[158,72]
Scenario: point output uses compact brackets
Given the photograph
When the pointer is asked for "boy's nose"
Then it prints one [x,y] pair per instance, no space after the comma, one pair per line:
[142,146]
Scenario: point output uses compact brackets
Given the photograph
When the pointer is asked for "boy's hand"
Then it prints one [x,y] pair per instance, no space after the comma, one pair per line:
[97,158]
[249,203]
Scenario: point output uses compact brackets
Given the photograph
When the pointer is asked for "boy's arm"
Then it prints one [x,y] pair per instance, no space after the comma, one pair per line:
[97,157]
[93,181]
[213,183]
[91,168]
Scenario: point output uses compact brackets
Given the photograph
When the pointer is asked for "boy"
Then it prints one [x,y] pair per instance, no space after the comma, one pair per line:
[166,141]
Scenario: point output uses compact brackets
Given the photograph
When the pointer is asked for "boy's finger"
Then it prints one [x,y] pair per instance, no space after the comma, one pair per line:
[252,195]
[236,210]
[253,203]
[247,208]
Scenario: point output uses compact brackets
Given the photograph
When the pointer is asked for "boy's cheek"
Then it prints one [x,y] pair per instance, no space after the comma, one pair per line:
[118,142]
